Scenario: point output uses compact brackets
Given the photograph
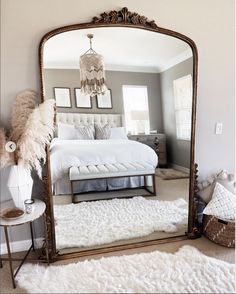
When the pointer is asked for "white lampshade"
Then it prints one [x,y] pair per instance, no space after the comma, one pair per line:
[92,74]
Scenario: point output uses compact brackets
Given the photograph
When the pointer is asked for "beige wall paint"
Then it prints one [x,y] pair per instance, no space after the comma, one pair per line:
[209,23]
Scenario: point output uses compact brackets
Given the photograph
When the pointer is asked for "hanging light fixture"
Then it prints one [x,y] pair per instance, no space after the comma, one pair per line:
[92,72]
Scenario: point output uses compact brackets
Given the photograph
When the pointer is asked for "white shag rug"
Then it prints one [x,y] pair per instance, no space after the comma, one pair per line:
[101,222]
[186,271]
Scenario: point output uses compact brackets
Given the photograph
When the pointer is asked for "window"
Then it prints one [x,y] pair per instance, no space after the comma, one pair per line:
[183,107]
[135,100]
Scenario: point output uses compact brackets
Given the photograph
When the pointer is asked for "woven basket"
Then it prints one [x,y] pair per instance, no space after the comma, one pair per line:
[219,231]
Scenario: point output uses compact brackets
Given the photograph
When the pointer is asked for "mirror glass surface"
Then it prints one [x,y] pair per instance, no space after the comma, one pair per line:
[144,120]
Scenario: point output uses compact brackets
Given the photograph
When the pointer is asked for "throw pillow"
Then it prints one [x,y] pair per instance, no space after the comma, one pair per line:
[66,131]
[102,132]
[118,133]
[222,205]
[207,187]
[85,132]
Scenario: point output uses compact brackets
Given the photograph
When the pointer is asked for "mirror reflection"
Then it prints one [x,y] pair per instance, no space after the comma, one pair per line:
[120,156]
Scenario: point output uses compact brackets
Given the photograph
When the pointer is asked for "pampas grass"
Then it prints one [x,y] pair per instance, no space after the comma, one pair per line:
[22,108]
[32,129]
[36,135]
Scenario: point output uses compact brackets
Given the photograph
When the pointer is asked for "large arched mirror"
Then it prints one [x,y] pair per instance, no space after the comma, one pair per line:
[120,168]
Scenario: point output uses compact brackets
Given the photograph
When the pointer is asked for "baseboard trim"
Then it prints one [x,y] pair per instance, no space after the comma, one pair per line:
[180,168]
[23,245]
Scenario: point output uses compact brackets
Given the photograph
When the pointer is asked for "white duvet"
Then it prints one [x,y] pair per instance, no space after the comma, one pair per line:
[67,153]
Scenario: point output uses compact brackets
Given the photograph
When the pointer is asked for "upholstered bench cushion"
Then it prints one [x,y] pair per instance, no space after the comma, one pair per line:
[110,170]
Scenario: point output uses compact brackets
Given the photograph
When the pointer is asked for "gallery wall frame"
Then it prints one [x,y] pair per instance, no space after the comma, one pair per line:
[81,100]
[62,97]
[105,101]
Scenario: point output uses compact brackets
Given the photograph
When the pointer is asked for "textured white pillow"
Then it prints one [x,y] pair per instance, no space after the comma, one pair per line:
[85,132]
[118,133]
[206,187]
[66,131]
[102,132]
[222,204]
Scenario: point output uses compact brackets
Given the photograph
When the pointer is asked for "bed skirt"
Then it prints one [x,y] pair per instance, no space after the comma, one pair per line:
[62,187]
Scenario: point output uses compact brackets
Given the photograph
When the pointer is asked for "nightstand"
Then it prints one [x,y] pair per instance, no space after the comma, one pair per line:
[156,142]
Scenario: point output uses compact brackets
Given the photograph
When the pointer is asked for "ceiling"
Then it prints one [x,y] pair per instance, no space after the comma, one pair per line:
[123,49]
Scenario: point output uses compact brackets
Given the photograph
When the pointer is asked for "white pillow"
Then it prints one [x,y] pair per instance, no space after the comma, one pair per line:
[118,133]
[222,204]
[102,132]
[66,131]
[207,187]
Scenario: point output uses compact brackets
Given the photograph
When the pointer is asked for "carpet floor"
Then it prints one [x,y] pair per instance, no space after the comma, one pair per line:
[186,271]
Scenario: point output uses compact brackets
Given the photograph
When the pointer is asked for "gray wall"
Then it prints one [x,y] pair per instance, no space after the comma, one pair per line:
[178,151]
[115,81]
[24,22]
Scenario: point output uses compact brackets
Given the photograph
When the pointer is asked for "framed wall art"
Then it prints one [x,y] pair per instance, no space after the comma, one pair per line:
[62,97]
[81,100]
[105,101]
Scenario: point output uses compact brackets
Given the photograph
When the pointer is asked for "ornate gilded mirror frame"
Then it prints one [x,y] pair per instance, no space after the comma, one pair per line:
[123,18]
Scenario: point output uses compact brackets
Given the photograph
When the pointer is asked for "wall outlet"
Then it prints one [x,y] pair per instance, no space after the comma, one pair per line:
[219,128]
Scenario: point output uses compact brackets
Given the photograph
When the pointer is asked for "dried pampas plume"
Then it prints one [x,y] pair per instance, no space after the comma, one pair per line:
[32,130]
[22,108]
[36,134]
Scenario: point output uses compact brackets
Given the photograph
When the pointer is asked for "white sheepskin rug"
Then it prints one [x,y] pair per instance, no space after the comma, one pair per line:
[186,271]
[101,222]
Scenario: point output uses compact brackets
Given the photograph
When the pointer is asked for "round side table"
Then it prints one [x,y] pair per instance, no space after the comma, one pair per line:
[38,210]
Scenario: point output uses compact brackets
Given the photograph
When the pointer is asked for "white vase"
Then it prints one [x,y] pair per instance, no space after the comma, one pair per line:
[20,185]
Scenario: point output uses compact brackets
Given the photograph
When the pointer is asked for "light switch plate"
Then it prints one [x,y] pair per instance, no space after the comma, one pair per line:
[219,128]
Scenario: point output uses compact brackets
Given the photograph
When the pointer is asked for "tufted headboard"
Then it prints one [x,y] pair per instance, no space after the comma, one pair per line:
[115,120]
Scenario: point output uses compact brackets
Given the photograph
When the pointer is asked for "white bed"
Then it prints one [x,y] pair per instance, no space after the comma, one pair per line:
[67,153]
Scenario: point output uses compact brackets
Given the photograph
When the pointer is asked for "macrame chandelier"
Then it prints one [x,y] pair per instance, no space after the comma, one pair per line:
[92,72]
